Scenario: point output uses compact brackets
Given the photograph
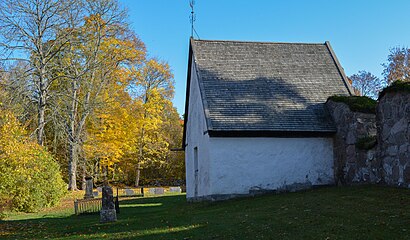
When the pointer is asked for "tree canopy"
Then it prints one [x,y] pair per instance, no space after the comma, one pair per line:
[83,97]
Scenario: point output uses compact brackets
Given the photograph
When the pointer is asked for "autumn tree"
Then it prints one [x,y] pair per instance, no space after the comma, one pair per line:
[154,88]
[398,65]
[367,84]
[171,165]
[30,31]
[75,65]
[100,48]
[111,129]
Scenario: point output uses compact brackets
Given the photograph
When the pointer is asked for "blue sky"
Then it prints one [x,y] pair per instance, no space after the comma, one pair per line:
[361,32]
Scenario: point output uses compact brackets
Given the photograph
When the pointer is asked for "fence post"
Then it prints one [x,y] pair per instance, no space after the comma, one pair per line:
[142,191]
[117,205]
[76,207]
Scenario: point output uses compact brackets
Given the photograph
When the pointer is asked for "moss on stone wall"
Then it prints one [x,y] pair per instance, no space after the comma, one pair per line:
[366,143]
[357,103]
[397,86]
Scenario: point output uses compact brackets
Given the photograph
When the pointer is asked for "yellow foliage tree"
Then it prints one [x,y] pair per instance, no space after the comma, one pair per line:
[154,85]
[92,62]
[111,129]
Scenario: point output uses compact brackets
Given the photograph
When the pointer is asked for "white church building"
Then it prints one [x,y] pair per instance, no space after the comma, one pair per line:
[255,118]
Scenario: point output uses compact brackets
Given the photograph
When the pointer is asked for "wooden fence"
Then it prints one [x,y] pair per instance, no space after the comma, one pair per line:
[92,205]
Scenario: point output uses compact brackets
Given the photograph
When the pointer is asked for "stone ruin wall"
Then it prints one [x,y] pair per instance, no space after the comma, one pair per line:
[393,127]
[352,164]
[388,162]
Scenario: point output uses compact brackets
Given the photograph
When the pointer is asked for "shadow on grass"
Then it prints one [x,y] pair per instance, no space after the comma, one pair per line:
[361,212]
[150,217]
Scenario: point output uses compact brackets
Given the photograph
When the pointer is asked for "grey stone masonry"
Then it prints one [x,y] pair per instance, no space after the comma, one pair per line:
[393,123]
[89,188]
[352,164]
[107,213]
[389,161]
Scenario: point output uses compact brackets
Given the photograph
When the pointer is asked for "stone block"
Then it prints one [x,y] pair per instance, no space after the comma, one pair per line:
[397,138]
[399,126]
[370,155]
[175,189]
[392,150]
[406,175]
[88,188]
[156,191]
[351,137]
[351,153]
[385,133]
[403,148]
[159,191]
[395,173]
[350,173]
[108,215]
[129,192]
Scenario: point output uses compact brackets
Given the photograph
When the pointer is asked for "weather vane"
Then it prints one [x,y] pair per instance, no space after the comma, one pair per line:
[192,18]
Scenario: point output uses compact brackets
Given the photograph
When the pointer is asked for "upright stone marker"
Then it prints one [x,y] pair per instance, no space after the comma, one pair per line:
[175,189]
[89,188]
[157,191]
[107,213]
[129,192]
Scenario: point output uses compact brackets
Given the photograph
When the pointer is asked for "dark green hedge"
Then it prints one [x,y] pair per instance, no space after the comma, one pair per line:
[357,103]
[397,86]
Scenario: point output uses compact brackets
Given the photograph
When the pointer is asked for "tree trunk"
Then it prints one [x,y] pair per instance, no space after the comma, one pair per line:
[72,165]
[96,171]
[137,175]
[83,181]
[41,123]
[41,106]
[72,141]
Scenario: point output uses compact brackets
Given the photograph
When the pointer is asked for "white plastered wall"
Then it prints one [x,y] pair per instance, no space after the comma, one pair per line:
[238,165]
[196,136]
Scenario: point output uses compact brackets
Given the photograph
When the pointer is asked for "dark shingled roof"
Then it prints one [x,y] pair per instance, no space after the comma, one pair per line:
[267,87]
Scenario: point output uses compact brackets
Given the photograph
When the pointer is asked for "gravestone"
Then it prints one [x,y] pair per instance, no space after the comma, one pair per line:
[95,193]
[88,188]
[175,189]
[129,192]
[107,213]
[156,191]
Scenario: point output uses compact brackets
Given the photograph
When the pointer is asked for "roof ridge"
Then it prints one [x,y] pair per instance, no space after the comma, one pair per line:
[261,42]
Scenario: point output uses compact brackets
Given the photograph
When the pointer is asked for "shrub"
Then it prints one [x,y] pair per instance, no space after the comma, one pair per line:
[30,178]
[397,86]
[357,103]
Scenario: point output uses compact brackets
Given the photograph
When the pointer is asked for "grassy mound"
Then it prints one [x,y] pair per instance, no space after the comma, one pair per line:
[357,103]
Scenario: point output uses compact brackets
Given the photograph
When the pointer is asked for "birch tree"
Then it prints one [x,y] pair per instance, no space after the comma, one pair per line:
[98,49]
[30,31]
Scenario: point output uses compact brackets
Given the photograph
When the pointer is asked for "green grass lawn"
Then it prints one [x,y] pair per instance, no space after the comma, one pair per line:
[361,212]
